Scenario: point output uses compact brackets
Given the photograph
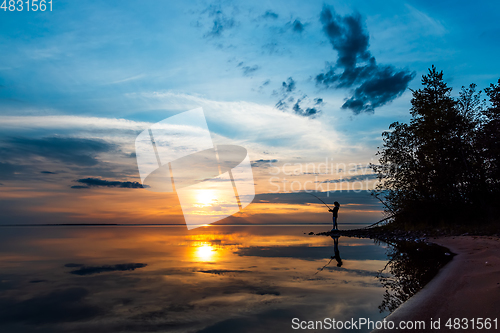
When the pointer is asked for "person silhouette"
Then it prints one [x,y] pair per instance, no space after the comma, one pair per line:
[336,256]
[336,250]
[335,215]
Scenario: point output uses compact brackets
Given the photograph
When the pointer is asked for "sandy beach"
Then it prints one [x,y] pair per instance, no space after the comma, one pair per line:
[467,287]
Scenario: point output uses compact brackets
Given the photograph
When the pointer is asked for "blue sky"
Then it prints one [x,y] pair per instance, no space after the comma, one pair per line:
[101,72]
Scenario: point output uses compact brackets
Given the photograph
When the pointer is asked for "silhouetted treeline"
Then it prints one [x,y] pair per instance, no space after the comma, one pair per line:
[443,166]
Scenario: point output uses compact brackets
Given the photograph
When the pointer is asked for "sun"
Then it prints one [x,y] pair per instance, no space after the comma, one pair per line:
[205,198]
[205,252]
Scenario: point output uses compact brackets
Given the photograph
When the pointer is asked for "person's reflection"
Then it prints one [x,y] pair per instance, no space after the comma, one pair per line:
[336,256]
[336,250]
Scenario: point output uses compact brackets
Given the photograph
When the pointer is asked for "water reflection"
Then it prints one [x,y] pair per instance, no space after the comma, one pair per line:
[215,279]
[336,249]
[205,252]
[336,256]
[410,267]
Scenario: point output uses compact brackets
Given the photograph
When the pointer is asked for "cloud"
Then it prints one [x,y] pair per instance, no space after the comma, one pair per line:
[248,70]
[70,122]
[266,125]
[75,151]
[301,106]
[374,85]
[287,87]
[297,26]
[363,198]
[89,270]
[263,163]
[270,15]
[307,111]
[48,172]
[8,170]
[220,22]
[357,178]
[96,182]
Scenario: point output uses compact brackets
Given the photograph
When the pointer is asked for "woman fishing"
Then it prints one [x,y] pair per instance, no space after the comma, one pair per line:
[335,212]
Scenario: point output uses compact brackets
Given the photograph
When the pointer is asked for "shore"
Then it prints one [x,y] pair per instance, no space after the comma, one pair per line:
[467,287]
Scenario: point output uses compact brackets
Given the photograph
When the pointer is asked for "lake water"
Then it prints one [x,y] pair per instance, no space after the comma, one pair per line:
[168,279]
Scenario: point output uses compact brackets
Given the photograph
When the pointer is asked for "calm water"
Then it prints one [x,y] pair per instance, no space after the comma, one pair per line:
[168,279]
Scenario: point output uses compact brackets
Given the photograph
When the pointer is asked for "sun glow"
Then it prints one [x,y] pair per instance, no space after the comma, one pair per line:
[205,252]
[205,198]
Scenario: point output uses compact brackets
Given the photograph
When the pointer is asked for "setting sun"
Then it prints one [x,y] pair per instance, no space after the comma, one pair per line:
[205,252]
[205,197]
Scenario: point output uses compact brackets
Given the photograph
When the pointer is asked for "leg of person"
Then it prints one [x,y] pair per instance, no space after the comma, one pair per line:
[335,223]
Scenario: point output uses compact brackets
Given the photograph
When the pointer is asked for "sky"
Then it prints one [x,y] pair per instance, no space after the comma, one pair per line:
[294,83]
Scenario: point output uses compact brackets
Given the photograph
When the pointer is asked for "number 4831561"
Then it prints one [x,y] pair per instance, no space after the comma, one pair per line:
[20,5]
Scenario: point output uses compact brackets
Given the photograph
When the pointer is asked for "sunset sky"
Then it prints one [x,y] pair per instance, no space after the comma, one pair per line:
[293,82]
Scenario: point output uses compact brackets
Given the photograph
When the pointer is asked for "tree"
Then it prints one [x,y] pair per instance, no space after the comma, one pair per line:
[490,138]
[431,168]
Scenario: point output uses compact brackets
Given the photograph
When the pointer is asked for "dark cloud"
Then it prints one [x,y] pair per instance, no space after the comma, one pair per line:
[357,178]
[248,70]
[220,21]
[374,85]
[89,270]
[48,172]
[96,182]
[288,85]
[262,163]
[297,26]
[344,197]
[300,105]
[307,111]
[75,151]
[8,170]
[59,306]
[270,15]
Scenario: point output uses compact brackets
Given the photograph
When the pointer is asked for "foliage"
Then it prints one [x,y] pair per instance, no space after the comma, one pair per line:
[443,165]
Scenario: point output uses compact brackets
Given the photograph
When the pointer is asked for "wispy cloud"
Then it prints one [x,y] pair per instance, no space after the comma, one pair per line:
[76,151]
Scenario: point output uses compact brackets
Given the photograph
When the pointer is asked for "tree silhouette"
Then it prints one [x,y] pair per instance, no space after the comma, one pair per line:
[444,164]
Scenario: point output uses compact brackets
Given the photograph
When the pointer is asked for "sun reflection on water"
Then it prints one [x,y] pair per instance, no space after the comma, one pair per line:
[205,252]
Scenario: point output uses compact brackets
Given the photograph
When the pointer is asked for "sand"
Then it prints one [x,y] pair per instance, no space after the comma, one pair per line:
[467,287]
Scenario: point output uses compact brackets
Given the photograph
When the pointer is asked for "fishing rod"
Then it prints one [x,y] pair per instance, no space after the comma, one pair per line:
[322,268]
[320,200]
